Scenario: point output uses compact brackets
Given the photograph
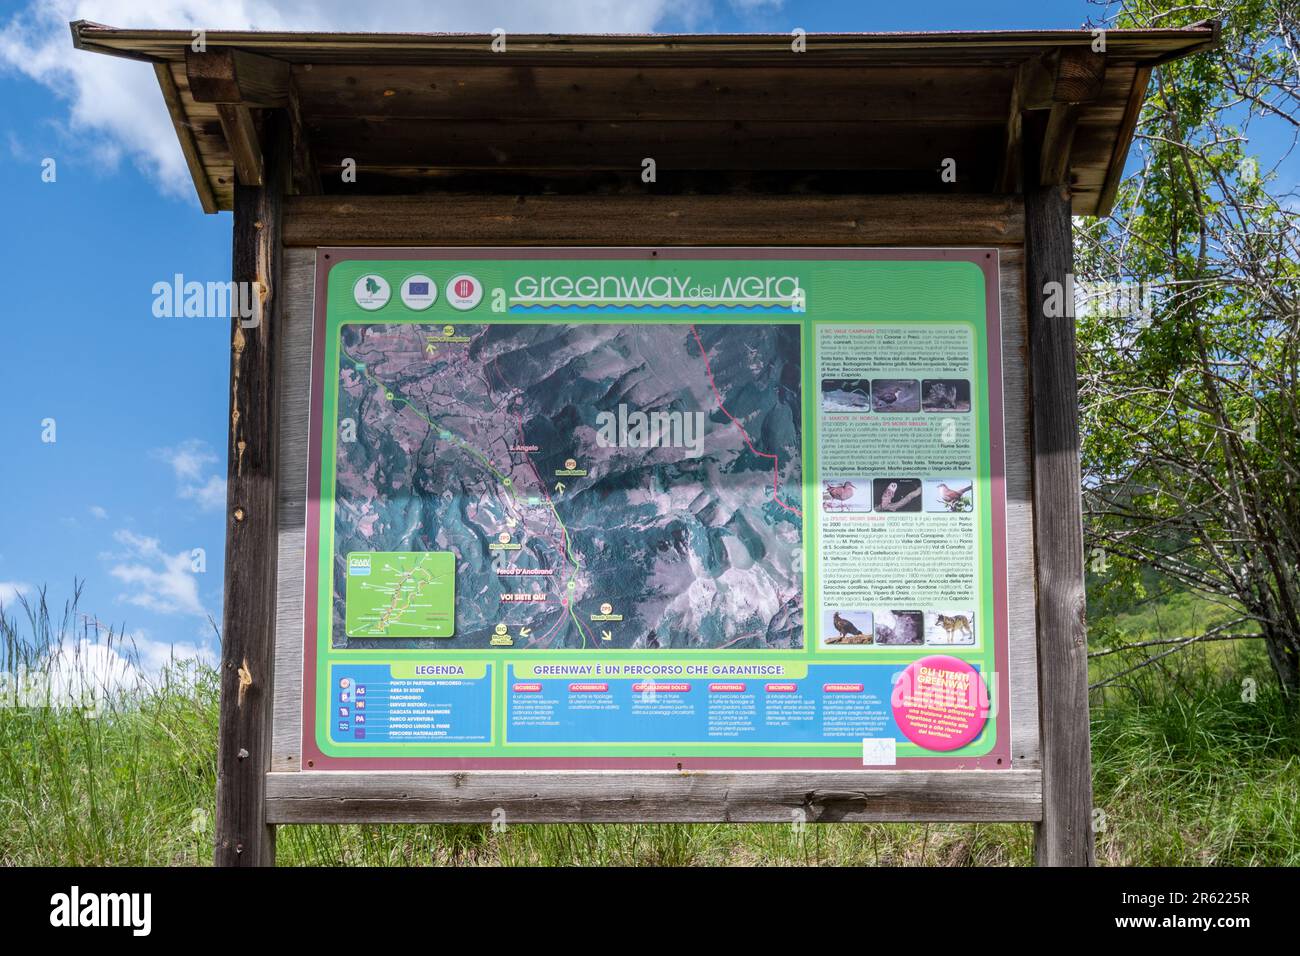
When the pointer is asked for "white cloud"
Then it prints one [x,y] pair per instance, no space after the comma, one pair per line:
[161,582]
[210,495]
[10,591]
[189,460]
[115,109]
[97,511]
[93,673]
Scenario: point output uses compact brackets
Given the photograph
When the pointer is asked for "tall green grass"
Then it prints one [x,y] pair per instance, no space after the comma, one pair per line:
[1186,772]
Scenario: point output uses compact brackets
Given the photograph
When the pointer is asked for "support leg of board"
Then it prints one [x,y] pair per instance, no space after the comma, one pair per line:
[1064,837]
[243,837]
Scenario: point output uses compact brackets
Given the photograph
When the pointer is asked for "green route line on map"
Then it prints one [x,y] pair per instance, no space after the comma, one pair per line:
[432,423]
[506,482]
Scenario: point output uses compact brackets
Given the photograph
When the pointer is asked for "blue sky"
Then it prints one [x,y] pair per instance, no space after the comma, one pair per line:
[132,483]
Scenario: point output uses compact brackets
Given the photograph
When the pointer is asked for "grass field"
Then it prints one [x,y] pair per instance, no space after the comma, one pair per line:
[1187,772]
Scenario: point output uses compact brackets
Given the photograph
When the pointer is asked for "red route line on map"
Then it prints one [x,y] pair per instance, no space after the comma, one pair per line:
[776,462]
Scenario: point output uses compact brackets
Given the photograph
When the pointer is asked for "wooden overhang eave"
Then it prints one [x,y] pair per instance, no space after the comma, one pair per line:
[1091,128]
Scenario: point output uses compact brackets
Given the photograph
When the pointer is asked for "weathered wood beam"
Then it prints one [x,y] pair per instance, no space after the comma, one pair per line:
[1027,89]
[458,219]
[412,145]
[185,134]
[1079,75]
[1058,137]
[243,836]
[793,93]
[1064,837]
[1037,80]
[614,796]
[240,128]
[235,76]
[305,177]
[1058,82]
[1128,126]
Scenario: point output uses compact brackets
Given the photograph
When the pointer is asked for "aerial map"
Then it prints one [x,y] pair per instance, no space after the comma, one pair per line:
[576,485]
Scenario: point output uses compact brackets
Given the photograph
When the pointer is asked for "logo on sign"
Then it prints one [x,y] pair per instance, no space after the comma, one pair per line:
[419,292]
[464,292]
[371,292]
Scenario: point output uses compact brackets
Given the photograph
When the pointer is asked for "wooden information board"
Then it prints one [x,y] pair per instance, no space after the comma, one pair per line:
[656,509]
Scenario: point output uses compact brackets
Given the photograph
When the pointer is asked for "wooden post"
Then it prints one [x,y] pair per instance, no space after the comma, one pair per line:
[243,838]
[1064,837]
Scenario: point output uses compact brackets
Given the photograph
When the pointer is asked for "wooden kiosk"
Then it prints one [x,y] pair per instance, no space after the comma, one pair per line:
[980,144]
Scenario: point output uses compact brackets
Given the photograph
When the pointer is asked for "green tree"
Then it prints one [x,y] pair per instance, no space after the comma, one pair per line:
[1189,402]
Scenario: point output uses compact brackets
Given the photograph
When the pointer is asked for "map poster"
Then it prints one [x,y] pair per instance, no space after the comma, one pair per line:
[656,508]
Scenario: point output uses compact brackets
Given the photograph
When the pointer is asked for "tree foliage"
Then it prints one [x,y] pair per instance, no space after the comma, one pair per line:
[1189,401]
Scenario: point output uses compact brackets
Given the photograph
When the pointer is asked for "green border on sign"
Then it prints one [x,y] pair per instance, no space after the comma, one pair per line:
[911,292]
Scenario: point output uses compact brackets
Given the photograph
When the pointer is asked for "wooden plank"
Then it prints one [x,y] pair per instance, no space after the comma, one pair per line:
[314,47]
[916,220]
[1064,838]
[653,796]
[787,93]
[243,837]
[1058,139]
[305,175]
[1128,126]
[1022,625]
[235,76]
[1079,75]
[692,145]
[205,126]
[242,140]
[184,133]
[294,384]
[1008,180]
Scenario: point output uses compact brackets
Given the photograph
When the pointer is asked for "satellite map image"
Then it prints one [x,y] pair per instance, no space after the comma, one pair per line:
[569,485]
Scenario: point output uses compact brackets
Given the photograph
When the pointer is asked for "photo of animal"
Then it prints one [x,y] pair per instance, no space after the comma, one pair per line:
[950,495]
[896,395]
[945,395]
[949,627]
[846,495]
[846,395]
[847,628]
[897,495]
[899,628]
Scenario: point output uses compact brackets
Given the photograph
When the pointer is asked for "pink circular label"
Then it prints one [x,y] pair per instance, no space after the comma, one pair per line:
[940,703]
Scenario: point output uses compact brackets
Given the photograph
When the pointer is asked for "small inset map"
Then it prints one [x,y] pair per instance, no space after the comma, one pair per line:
[401,594]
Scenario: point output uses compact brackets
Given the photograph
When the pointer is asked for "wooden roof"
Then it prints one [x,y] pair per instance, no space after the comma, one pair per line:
[860,113]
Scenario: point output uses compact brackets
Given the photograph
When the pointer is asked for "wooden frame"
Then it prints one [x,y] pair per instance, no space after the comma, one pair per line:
[295,793]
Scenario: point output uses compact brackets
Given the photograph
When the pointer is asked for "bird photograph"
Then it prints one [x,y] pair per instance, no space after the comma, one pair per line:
[896,395]
[845,495]
[850,627]
[899,495]
[945,395]
[899,627]
[951,495]
[846,395]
